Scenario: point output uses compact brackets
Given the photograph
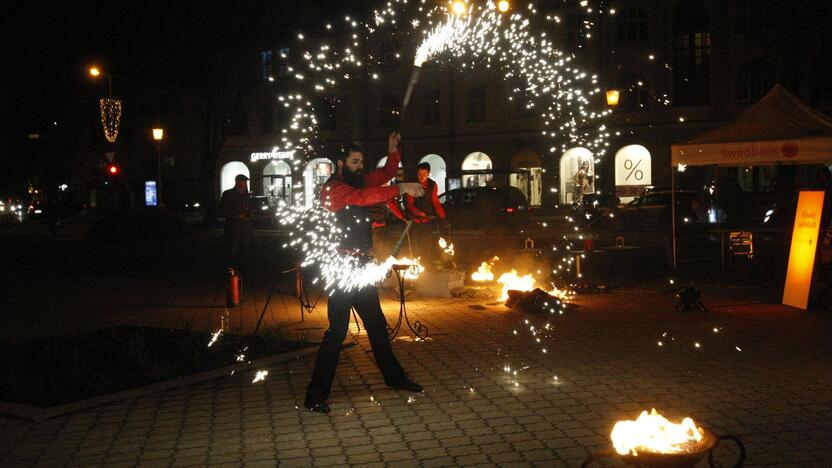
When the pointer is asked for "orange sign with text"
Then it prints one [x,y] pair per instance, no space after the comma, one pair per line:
[803,249]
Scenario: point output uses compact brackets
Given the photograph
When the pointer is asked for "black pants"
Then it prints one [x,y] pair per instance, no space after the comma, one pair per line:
[237,238]
[366,303]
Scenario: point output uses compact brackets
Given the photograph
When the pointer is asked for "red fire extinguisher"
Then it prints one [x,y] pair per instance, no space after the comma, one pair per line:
[234,288]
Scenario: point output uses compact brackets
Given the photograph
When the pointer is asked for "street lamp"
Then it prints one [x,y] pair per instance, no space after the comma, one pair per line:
[612,97]
[458,7]
[95,72]
[158,135]
[503,6]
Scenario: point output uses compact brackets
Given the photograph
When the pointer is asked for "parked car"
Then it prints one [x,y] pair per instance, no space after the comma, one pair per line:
[504,208]
[652,211]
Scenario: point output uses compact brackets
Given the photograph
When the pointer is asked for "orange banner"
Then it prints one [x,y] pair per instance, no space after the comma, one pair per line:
[804,246]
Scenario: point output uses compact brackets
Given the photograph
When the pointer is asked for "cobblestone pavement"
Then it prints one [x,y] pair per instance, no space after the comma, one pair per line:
[760,371]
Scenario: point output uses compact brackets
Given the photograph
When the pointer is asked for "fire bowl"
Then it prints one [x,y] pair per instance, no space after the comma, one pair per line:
[679,459]
[674,460]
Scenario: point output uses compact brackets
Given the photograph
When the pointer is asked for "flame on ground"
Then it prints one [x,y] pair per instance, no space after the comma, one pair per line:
[654,433]
[513,281]
[484,273]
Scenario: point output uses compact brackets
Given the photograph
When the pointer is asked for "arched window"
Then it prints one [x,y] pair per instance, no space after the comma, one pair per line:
[277,182]
[691,54]
[229,172]
[577,174]
[754,80]
[437,170]
[632,25]
[478,166]
[633,172]
[388,111]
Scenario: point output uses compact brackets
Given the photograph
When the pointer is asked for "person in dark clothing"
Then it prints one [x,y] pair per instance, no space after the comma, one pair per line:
[237,207]
[348,194]
[428,213]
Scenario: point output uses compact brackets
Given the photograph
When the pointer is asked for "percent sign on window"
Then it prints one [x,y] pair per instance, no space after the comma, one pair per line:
[633,169]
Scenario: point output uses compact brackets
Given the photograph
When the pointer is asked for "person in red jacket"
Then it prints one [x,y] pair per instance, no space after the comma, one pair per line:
[348,194]
[428,212]
[420,208]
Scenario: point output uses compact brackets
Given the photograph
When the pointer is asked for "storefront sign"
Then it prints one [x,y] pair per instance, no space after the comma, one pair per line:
[273,154]
[802,252]
[633,172]
[814,150]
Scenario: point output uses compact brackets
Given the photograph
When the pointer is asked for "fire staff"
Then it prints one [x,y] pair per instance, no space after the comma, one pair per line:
[349,194]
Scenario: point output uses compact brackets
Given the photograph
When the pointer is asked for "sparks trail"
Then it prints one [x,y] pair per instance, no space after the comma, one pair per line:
[542,75]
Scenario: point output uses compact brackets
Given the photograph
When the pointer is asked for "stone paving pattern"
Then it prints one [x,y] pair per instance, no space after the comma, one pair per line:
[775,393]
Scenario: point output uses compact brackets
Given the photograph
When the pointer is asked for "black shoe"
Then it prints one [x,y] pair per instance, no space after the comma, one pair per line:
[318,407]
[405,383]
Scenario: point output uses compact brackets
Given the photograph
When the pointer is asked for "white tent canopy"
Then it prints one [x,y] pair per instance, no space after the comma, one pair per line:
[778,129]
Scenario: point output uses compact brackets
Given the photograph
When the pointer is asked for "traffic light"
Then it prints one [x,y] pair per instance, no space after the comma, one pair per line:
[113,169]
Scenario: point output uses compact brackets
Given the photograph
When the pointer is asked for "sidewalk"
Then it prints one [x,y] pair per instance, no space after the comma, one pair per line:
[602,363]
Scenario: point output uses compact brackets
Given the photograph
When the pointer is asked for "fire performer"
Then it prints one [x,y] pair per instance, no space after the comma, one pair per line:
[422,210]
[348,194]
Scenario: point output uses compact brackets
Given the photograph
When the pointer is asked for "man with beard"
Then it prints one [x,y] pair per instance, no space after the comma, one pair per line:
[348,194]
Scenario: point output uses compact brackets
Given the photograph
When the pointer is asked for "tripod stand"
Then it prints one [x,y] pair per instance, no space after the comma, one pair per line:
[301,294]
[419,330]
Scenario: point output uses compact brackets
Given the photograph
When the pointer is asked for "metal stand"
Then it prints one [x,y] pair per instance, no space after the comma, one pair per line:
[300,294]
[419,330]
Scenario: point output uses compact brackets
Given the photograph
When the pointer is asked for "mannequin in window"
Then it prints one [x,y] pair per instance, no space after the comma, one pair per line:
[582,180]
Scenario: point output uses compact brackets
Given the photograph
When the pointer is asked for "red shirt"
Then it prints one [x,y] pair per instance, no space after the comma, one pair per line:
[337,194]
[434,196]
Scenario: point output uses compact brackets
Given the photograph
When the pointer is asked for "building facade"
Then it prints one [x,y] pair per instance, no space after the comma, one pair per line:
[681,67]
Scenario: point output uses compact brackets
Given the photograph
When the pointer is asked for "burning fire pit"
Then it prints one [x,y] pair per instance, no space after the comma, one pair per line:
[653,441]
[511,281]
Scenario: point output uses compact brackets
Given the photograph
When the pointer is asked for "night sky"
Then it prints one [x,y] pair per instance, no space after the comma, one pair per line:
[156,52]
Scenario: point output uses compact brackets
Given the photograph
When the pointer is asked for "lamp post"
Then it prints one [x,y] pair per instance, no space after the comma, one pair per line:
[158,135]
[95,72]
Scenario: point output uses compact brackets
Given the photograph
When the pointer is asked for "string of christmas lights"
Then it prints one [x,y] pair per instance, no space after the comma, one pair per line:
[110,110]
